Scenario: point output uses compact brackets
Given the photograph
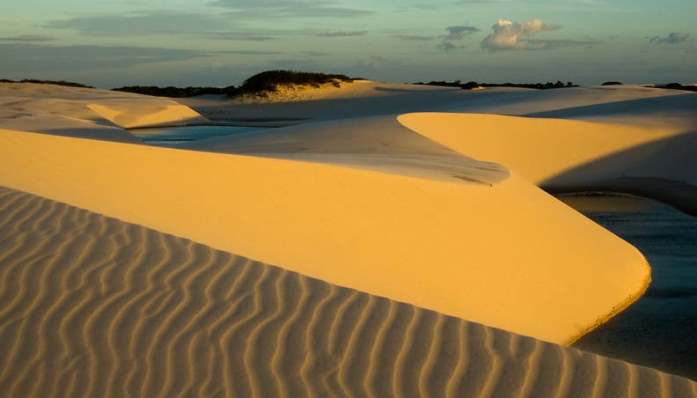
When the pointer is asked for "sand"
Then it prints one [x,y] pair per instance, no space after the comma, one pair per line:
[413,239]
[624,105]
[571,155]
[394,237]
[374,143]
[93,306]
[86,113]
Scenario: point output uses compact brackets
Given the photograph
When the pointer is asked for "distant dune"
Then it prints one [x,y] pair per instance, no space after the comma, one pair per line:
[85,112]
[93,306]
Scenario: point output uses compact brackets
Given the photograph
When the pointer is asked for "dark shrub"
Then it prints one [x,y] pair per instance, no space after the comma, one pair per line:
[53,82]
[676,86]
[178,92]
[270,80]
[612,84]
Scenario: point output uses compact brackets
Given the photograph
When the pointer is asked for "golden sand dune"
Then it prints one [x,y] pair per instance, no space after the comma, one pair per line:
[95,307]
[504,254]
[129,113]
[573,155]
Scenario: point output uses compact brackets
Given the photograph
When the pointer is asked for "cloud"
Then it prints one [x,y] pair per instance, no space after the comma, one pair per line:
[242,36]
[509,35]
[415,37]
[289,9]
[27,39]
[448,41]
[459,32]
[246,52]
[447,46]
[36,58]
[147,23]
[454,35]
[671,38]
[342,33]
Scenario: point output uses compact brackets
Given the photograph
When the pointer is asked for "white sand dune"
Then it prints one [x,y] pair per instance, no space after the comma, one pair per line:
[376,98]
[445,245]
[353,100]
[95,307]
[375,143]
[87,113]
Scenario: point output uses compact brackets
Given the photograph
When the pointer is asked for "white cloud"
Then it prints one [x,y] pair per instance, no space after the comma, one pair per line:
[509,35]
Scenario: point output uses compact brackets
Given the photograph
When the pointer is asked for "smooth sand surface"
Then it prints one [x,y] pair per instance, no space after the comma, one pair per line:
[375,143]
[572,155]
[88,113]
[445,245]
[93,306]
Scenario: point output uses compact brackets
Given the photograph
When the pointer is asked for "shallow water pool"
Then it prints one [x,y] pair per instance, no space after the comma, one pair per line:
[659,330]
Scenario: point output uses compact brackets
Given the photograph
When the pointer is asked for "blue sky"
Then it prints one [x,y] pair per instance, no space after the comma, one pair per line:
[220,42]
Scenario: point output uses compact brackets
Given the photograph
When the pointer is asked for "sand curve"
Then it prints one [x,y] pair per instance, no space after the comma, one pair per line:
[86,113]
[92,306]
[415,240]
[574,155]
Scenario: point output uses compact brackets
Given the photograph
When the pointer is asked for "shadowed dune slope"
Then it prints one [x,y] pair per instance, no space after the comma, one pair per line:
[94,307]
[506,255]
[572,155]
[375,143]
[375,98]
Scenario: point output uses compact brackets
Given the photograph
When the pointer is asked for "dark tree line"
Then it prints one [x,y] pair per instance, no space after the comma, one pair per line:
[473,85]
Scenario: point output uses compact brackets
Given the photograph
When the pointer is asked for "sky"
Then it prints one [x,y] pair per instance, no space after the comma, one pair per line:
[110,43]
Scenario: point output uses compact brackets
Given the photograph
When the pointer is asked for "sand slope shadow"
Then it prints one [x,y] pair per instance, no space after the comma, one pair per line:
[91,306]
[643,171]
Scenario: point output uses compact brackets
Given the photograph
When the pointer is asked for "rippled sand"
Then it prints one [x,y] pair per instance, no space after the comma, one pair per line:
[91,306]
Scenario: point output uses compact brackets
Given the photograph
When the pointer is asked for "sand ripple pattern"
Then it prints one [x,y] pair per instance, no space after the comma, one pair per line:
[94,307]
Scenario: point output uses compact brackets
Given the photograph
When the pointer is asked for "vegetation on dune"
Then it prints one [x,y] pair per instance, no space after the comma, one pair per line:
[256,85]
[178,92]
[53,82]
[675,86]
[473,85]
[270,80]
[612,84]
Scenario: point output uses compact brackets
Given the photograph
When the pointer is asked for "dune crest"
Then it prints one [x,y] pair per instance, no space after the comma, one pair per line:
[130,114]
[573,155]
[442,245]
[92,306]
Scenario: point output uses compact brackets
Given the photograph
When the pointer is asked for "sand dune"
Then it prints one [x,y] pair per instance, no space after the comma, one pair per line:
[571,155]
[446,245]
[92,306]
[376,98]
[374,143]
[87,113]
